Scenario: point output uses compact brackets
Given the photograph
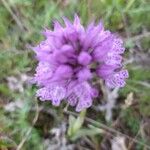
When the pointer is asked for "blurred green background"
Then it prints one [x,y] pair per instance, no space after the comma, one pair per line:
[26,123]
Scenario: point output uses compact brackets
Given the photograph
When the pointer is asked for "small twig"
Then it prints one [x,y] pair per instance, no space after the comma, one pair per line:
[4,137]
[18,22]
[138,37]
[109,129]
[89,142]
[131,142]
[143,83]
[15,52]
[30,129]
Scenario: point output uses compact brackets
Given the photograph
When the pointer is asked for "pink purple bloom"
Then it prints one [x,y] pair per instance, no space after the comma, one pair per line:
[71,56]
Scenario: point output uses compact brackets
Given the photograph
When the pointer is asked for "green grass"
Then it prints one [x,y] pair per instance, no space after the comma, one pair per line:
[120,16]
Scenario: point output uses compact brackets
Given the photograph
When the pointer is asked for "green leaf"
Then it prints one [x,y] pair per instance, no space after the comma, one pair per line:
[86,132]
[75,124]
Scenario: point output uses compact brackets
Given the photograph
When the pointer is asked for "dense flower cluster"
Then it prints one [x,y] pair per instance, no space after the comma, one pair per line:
[72,56]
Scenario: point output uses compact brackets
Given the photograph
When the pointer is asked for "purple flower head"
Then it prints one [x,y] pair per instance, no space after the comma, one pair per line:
[71,56]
